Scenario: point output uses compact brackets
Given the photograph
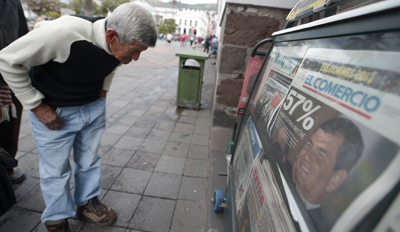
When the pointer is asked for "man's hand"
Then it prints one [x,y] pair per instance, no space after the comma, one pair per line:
[48,117]
[103,93]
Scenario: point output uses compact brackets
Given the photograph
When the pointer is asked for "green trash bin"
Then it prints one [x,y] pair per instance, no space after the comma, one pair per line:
[190,78]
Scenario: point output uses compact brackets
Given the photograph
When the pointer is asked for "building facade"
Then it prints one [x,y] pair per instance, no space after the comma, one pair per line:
[190,21]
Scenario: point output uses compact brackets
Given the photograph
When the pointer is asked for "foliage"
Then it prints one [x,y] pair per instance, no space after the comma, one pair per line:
[110,5]
[158,19]
[74,5]
[42,7]
[168,26]
[53,15]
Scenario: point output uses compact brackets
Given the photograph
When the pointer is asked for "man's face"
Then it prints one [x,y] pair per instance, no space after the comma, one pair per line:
[313,169]
[124,53]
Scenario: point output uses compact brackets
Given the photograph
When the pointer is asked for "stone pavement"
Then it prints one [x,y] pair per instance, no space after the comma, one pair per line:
[160,163]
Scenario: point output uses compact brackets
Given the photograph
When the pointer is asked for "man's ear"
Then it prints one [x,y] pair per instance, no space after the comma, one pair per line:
[111,35]
[336,179]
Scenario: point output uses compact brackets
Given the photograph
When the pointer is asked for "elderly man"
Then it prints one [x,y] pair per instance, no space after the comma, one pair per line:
[71,63]
[325,160]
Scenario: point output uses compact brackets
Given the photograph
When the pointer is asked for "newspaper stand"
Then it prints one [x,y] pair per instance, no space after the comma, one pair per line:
[282,175]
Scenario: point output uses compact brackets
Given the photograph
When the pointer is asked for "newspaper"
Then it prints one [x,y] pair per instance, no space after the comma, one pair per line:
[337,133]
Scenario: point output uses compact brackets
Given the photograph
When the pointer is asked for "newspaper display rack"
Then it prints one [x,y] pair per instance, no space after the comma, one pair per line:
[318,145]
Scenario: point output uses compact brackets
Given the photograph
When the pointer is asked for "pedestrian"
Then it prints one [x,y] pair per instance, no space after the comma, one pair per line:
[12,26]
[169,38]
[183,40]
[72,61]
[207,44]
[214,46]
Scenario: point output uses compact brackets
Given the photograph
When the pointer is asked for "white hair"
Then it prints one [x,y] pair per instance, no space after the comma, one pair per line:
[133,22]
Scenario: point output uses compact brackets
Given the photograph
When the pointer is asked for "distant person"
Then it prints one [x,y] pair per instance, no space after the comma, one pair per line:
[183,40]
[186,39]
[207,44]
[214,46]
[71,61]
[12,26]
[169,38]
[191,40]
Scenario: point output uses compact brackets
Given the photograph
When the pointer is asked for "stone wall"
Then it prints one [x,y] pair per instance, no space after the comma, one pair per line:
[242,28]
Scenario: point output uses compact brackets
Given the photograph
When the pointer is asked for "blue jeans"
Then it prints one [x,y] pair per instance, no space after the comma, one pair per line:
[82,132]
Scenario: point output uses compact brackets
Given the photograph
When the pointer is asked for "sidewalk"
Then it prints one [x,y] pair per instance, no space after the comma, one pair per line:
[160,163]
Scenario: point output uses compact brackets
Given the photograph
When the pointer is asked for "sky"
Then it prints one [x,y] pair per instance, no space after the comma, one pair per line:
[194,1]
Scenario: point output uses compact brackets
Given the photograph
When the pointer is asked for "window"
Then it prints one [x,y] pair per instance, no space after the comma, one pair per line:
[185,22]
[195,23]
[190,23]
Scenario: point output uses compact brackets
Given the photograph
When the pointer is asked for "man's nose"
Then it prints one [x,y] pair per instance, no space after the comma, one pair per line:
[308,155]
[136,56]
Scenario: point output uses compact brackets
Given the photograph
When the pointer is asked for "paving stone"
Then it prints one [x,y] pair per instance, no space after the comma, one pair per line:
[170,164]
[196,168]
[170,117]
[119,103]
[176,149]
[158,134]
[202,130]
[200,140]
[91,227]
[132,181]
[74,224]
[128,120]
[184,127]
[124,204]
[28,164]
[138,132]
[33,200]
[153,214]
[182,137]
[128,143]
[109,140]
[118,129]
[189,112]
[203,122]
[187,119]
[108,175]
[193,188]
[27,143]
[143,161]
[160,108]
[16,219]
[137,113]
[163,185]
[117,157]
[198,152]
[152,146]
[20,190]
[165,125]
[189,216]
[204,113]
[144,122]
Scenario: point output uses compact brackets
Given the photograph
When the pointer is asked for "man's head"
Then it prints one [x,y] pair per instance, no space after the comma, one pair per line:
[131,29]
[326,158]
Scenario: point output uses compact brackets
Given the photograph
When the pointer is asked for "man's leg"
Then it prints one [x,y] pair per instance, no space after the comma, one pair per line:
[86,157]
[55,171]
[87,166]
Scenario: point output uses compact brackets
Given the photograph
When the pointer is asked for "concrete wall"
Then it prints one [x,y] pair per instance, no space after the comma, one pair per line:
[242,27]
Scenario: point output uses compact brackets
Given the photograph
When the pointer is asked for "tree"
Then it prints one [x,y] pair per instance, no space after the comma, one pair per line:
[75,6]
[110,5]
[44,7]
[159,19]
[168,26]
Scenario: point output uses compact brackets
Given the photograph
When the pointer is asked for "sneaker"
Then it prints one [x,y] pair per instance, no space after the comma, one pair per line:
[97,212]
[61,225]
